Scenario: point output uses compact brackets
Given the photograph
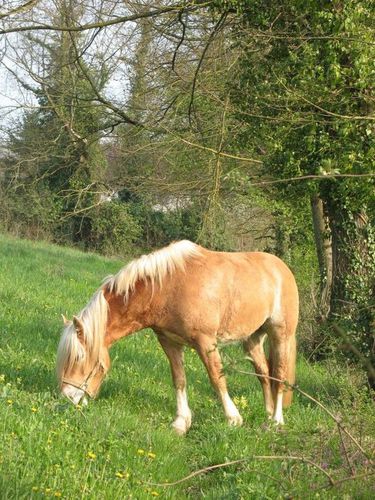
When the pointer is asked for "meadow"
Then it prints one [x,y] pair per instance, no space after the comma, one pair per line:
[121,446]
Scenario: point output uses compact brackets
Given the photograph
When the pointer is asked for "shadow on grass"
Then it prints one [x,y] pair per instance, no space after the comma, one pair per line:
[31,379]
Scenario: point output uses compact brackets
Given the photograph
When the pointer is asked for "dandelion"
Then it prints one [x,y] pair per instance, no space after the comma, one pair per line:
[57,494]
[151,455]
[10,402]
[91,455]
[140,451]
[48,490]
[34,410]
[122,475]
[154,493]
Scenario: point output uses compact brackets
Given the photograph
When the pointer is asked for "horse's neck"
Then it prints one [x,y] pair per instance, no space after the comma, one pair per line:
[130,316]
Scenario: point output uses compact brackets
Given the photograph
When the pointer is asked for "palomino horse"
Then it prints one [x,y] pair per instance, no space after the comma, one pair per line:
[190,296]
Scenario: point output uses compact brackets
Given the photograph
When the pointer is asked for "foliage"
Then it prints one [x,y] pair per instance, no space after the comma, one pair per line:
[113,229]
[305,88]
[54,161]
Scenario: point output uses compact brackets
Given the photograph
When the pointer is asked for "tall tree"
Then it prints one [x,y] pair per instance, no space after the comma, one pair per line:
[59,140]
[306,88]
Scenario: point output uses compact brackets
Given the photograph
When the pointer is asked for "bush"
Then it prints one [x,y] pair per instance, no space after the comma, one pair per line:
[113,229]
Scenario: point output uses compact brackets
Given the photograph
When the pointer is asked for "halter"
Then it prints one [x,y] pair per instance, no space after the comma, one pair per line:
[84,386]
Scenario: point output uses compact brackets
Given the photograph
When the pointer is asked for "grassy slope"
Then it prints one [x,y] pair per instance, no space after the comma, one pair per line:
[46,444]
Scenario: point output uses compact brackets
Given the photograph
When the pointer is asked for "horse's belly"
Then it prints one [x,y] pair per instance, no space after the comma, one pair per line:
[236,334]
[239,323]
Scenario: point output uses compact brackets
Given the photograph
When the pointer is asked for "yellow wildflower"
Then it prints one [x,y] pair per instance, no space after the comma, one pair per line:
[122,475]
[154,493]
[241,402]
[10,401]
[58,494]
[35,488]
[151,455]
[34,410]
[2,378]
[140,451]
[91,455]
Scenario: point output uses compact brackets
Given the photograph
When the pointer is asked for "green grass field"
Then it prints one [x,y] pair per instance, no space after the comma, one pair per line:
[121,446]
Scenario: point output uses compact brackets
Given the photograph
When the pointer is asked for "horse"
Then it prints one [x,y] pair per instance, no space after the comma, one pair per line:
[190,296]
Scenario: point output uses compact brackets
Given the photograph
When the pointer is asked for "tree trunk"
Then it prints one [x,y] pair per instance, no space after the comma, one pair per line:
[323,244]
[353,281]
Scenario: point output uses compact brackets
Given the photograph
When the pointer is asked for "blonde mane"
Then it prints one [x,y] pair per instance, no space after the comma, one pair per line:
[153,267]
[94,320]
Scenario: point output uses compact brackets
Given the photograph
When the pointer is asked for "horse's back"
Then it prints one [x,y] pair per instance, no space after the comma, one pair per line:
[232,294]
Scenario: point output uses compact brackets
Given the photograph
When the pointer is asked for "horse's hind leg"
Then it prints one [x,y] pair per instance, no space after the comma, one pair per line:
[278,339]
[254,348]
[209,354]
[175,356]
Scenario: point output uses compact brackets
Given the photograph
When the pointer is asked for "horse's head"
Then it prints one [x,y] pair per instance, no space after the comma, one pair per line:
[82,361]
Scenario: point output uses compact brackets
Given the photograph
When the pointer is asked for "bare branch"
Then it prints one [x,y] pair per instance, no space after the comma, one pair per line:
[110,22]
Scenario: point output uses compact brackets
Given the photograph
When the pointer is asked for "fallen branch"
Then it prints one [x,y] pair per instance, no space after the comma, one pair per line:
[210,468]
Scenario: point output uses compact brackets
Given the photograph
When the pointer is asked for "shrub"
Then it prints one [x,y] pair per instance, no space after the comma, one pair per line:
[113,229]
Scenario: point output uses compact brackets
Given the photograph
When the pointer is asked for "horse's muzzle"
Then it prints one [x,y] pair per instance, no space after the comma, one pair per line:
[74,394]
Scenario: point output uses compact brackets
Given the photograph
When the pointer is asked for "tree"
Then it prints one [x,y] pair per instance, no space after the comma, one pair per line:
[305,87]
[58,142]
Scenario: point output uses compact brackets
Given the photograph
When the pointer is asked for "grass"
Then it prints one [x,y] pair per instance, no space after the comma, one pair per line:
[122,443]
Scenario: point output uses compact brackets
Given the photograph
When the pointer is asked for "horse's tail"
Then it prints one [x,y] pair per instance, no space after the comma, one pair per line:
[290,371]
[290,354]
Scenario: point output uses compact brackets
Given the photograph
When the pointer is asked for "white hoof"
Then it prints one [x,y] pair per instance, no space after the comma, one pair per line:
[278,420]
[235,420]
[181,425]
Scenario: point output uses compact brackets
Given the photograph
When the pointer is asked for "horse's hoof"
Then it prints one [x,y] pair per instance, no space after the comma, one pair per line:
[181,426]
[235,420]
[278,422]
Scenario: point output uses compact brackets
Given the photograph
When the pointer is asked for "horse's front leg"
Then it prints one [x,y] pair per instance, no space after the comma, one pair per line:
[175,356]
[209,354]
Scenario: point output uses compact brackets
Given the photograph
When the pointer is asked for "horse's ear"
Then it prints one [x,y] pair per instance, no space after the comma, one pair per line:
[79,327]
[66,321]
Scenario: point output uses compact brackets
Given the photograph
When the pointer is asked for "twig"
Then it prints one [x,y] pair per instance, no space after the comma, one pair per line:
[351,468]
[345,479]
[247,459]
[180,41]
[217,27]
